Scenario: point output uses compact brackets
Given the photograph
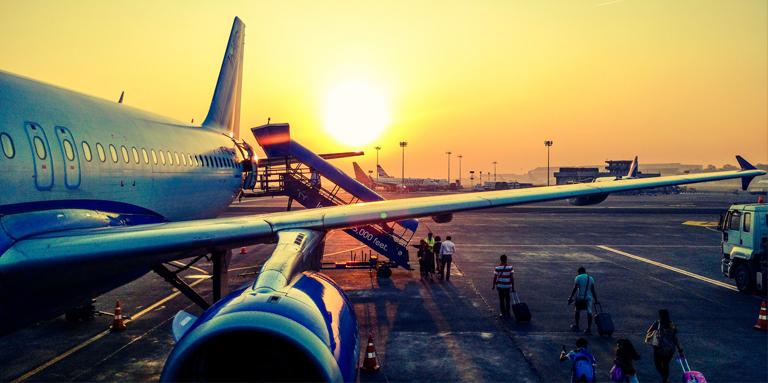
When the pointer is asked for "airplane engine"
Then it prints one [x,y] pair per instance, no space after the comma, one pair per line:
[588,200]
[443,218]
[306,332]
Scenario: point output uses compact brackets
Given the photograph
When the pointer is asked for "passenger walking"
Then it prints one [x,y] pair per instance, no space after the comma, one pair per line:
[426,261]
[438,261]
[504,282]
[447,249]
[623,369]
[585,286]
[662,335]
[582,362]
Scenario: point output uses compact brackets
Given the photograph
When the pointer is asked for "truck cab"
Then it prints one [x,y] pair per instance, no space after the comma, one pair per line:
[744,240]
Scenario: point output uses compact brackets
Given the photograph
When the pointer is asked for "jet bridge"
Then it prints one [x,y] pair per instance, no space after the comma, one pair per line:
[291,169]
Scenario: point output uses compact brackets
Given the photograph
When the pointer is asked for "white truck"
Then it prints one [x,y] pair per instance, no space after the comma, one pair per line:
[745,246]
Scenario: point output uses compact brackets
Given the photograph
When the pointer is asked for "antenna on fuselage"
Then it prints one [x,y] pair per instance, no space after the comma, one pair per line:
[120,101]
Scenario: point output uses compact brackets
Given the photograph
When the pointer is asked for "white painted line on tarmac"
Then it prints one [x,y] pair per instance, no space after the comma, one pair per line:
[96,337]
[668,267]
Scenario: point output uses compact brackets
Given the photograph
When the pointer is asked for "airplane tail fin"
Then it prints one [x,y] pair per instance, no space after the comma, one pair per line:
[381,172]
[224,113]
[633,169]
[361,176]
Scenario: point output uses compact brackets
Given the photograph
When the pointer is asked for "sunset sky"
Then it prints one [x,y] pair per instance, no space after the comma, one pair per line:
[669,81]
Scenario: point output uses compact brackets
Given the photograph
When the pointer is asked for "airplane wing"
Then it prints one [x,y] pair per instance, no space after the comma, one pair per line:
[175,239]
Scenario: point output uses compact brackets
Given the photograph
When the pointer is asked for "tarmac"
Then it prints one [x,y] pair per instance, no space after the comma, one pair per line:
[645,253]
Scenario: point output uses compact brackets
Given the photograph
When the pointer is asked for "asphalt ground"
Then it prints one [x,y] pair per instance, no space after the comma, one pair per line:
[637,248]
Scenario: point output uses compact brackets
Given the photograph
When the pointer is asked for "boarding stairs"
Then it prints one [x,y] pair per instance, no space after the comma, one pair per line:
[287,176]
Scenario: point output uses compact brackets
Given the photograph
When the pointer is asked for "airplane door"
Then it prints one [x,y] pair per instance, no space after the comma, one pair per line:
[70,157]
[41,156]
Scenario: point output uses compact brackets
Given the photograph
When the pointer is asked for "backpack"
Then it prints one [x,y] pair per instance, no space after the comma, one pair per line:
[583,367]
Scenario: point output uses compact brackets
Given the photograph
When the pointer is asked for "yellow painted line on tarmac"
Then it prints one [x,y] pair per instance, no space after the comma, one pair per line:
[96,337]
[199,270]
[701,223]
[668,267]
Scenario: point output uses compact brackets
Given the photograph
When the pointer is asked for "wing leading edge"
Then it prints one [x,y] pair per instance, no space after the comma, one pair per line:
[176,239]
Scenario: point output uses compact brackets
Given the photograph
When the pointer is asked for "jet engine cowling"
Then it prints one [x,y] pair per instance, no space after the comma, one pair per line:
[307,332]
[588,200]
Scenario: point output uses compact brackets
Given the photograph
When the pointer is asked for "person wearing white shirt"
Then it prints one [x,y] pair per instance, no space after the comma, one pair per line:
[447,249]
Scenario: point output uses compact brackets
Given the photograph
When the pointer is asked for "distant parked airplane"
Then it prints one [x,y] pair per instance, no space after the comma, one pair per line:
[387,182]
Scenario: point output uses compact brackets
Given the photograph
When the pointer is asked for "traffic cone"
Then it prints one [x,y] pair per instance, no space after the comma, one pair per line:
[243,250]
[118,323]
[371,362]
[762,318]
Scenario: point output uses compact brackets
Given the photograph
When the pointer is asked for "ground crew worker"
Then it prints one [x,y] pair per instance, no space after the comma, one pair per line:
[504,282]
[585,285]
[447,249]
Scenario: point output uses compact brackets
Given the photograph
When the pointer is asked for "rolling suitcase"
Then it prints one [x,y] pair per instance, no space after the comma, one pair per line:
[603,321]
[688,375]
[520,309]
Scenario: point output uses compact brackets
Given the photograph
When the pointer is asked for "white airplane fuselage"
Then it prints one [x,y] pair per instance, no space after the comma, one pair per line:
[72,151]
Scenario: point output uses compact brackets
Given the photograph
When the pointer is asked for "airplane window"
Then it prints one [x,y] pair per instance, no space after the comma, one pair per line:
[154,156]
[170,158]
[69,151]
[100,151]
[87,152]
[113,152]
[205,160]
[183,159]
[176,154]
[162,157]
[124,151]
[197,162]
[39,148]
[135,154]
[189,156]
[7,143]
[144,155]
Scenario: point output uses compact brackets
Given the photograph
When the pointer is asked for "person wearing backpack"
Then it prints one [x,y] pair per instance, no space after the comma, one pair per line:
[584,284]
[582,362]
[662,336]
[623,369]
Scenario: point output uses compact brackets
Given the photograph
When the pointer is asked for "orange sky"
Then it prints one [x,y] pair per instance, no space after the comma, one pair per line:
[670,81]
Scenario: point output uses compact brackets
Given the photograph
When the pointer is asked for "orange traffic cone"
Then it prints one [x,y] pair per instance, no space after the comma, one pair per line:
[371,362]
[762,318]
[118,323]
[243,250]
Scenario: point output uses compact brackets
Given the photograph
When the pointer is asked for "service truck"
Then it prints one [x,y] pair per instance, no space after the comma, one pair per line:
[745,246]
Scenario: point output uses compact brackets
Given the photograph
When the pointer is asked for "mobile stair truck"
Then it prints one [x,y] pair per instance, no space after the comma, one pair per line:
[745,246]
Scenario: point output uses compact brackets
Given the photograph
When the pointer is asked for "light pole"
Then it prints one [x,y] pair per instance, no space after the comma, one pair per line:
[494,171]
[377,162]
[403,144]
[548,144]
[449,167]
[481,177]
[460,157]
[471,178]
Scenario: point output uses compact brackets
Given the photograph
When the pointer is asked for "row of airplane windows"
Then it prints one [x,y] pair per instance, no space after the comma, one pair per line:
[159,157]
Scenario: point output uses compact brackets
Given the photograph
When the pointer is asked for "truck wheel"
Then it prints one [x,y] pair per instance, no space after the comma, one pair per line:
[743,277]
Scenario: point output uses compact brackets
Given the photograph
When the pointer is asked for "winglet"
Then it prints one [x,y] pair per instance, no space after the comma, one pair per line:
[745,165]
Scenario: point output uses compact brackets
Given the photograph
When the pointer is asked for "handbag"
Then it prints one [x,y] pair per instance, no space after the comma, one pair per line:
[652,336]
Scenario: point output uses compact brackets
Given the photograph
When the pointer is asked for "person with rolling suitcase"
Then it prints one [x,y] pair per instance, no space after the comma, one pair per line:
[584,284]
[662,336]
[690,376]
[603,321]
[503,282]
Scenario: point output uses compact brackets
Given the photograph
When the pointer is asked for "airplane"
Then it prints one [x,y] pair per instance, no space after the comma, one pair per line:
[96,194]
[595,199]
[387,182]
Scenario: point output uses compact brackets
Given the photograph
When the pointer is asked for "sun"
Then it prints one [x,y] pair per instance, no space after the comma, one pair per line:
[356,113]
